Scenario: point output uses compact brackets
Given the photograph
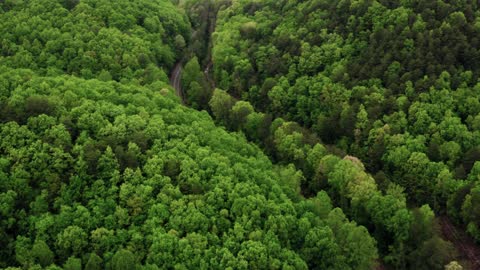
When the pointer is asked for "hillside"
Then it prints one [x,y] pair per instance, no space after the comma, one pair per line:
[394,84]
[391,83]
[295,134]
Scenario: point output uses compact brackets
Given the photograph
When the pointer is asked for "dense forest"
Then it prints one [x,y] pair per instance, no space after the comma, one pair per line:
[316,134]
[394,84]
[102,168]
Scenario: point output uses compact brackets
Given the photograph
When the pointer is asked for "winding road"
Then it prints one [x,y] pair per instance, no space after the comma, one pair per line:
[175,81]
[176,75]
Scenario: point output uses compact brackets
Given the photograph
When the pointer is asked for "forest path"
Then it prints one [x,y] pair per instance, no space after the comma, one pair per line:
[175,81]
[468,251]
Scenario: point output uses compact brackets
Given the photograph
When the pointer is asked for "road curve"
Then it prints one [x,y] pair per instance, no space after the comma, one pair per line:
[175,81]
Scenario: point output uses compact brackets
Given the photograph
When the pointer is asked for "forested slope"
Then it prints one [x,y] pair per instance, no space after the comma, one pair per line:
[115,175]
[394,83]
[93,39]
[102,168]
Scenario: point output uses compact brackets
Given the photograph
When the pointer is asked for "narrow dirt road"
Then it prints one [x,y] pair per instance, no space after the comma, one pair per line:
[175,81]
[469,252]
